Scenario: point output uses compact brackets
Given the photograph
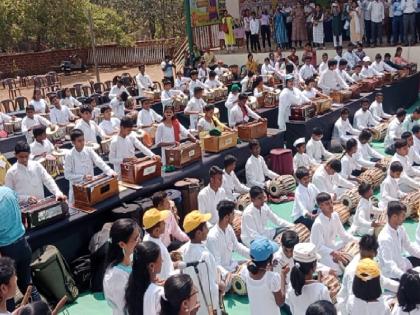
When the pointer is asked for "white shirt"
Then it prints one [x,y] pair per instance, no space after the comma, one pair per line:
[310,93]
[356,306]
[408,6]
[111,126]
[207,272]
[70,102]
[114,283]
[393,244]
[254,26]
[151,299]
[393,132]
[122,148]
[167,265]
[322,66]
[260,294]
[377,111]
[408,170]
[307,71]
[305,200]
[236,115]
[222,244]
[90,130]
[78,164]
[344,76]
[382,67]
[144,82]
[194,84]
[377,13]
[303,159]
[231,100]
[324,234]
[288,97]
[311,293]
[254,223]
[256,171]
[365,153]
[351,58]
[409,123]
[231,185]
[343,130]
[28,123]
[348,165]
[60,116]
[364,119]
[167,96]
[203,74]
[220,70]
[329,183]
[357,77]
[244,84]
[205,125]
[369,72]
[30,180]
[117,107]
[194,105]
[39,148]
[116,91]
[39,106]
[147,118]
[267,70]
[390,191]
[362,222]
[330,80]
[208,200]
[166,134]
[413,156]
[181,84]
[317,151]
[213,84]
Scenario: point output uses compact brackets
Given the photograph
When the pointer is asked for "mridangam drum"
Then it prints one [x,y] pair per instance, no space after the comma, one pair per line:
[50,164]
[386,161]
[69,128]
[373,176]
[302,231]
[236,224]
[105,145]
[59,156]
[55,134]
[333,285]
[351,198]
[238,283]
[282,185]
[342,211]
[350,250]
[412,202]
[243,201]
[379,131]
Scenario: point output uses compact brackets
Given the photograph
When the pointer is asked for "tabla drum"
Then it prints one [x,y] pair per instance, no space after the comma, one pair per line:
[379,131]
[55,134]
[271,98]
[8,127]
[333,285]
[17,124]
[105,145]
[302,231]
[343,212]
[69,128]
[236,224]
[350,250]
[412,202]
[59,156]
[209,96]
[282,185]
[51,165]
[243,201]
[252,102]
[351,198]
[373,176]
[238,283]
[95,146]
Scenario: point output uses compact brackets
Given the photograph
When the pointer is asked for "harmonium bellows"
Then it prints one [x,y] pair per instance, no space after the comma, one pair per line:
[302,112]
[183,154]
[91,192]
[44,212]
[226,140]
[138,170]
[252,130]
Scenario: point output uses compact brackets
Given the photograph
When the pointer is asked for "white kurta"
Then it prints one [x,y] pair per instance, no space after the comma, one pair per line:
[307,72]
[329,80]
[40,106]
[305,201]
[194,84]
[382,67]
[166,96]
[144,83]
[260,293]
[61,116]
[236,116]
[70,102]
[147,118]
[256,171]
[311,293]
[389,191]
[116,91]
[393,132]
[28,123]
[194,105]
[377,111]
[409,123]
[167,265]
[111,126]
[343,131]
[303,160]
[348,165]
[369,72]
[317,151]
[345,76]
[362,221]
[365,153]
[231,101]
[117,107]
[232,186]
[331,184]
[39,148]
[213,84]
[90,130]
[208,200]
[166,134]
[288,98]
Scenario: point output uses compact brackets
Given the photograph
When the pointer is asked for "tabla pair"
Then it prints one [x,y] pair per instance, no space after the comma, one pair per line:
[53,163]
[13,126]
[281,185]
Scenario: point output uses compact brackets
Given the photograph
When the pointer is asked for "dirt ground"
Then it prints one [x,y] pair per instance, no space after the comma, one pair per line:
[104,74]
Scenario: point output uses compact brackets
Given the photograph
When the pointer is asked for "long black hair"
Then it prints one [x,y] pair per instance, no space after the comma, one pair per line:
[139,280]
[178,288]
[408,291]
[121,231]
[298,273]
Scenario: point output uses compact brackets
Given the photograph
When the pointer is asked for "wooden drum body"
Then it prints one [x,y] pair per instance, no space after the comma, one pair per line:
[282,185]
[351,198]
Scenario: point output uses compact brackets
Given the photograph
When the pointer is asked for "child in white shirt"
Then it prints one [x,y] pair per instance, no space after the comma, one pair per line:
[409,178]
[89,128]
[110,125]
[301,159]
[377,110]
[195,82]
[195,107]
[68,100]
[390,190]
[168,94]
[350,168]
[394,131]
[41,146]
[231,184]
[147,116]
[315,148]
[343,130]
[363,118]
[30,121]
[212,82]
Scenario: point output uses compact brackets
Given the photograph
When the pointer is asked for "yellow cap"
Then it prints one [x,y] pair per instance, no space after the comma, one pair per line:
[193,219]
[367,269]
[154,216]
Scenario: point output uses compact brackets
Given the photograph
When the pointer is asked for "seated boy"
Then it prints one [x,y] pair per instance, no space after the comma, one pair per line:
[41,146]
[343,130]
[390,191]
[366,156]
[31,120]
[231,184]
[301,159]
[350,168]
[110,125]
[409,178]
[315,148]
[89,128]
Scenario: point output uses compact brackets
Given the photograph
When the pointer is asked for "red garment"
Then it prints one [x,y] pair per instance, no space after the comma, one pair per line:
[177,129]
[244,112]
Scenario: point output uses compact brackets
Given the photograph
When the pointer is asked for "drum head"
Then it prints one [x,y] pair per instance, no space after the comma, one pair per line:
[239,285]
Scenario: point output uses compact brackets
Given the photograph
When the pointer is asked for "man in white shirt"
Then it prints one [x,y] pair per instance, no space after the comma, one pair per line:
[377,110]
[413,155]
[110,125]
[350,56]
[394,131]
[363,118]
[118,104]
[409,21]
[377,15]
[195,83]
[394,243]
[195,107]
[324,64]
[31,120]
[246,82]
[231,184]
[89,128]
[329,80]
[254,25]
[409,180]
[168,94]
[307,71]
[357,75]
[390,191]
[124,144]
[79,163]
[147,116]
[209,196]
[343,130]
[256,216]
[28,177]
[366,156]
[411,120]
[212,82]
[368,71]
[256,169]
[267,70]
[341,71]
[315,148]
[350,168]
[241,113]
[232,98]
[416,138]
[143,80]
[222,242]
[41,145]
[381,66]
[117,89]
[60,114]
[220,70]
[339,53]
[327,179]
[325,230]
[181,82]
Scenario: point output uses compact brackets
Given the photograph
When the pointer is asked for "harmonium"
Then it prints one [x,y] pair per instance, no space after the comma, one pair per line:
[355,89]
[302,112]
[341,96]
[387,77]
[380,81]
[252,130]
[137,170]
[271,99]
[152,95]
[322,105]
[44,212]
[91,192]
[412,67]
[183,154]
[214,144]
[220,93]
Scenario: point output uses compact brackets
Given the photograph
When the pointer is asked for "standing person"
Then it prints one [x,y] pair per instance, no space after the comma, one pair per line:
[397,23]
[246,21]
[289,21]
[254,26]
[337,25]
[280,28]
[356,33]
[318,26]
[143,80]
[168,69]
[13,243]
[298,28]
[266,29]
[409,21]
[309,10]
[377,15]
[227,21]
[367,19]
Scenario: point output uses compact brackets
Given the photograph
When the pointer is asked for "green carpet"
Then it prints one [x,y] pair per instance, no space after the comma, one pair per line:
[95,304]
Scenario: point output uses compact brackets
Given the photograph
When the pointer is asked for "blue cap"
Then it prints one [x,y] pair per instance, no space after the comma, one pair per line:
[262,248]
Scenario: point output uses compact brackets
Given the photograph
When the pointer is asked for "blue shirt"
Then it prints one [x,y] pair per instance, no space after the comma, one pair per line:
[396,7]
[11,227]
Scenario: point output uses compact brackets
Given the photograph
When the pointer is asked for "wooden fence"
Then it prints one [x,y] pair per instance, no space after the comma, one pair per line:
[206,36]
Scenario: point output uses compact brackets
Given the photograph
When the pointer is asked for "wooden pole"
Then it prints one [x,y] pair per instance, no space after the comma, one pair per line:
[93,43]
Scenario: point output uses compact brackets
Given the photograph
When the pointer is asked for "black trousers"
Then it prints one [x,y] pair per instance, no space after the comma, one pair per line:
[305,221]
[255,42]
[368,31]
[21,253]
[248,39]
[266,35]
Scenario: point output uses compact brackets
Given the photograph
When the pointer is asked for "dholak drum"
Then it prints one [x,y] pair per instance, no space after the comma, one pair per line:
[333,285]
[382,219]
[126,211]
[373,176]
[386,162]
[69,128]
[59,156]
[351,198]
[342,211]
[302,231]
[55,134]
[105,145]
[189,188]
[17,124]
[8,127]
[379,131]
[238,283]
[236,224]
[282,185]
[243,201]
[412,202]
[350,250]
[51,165]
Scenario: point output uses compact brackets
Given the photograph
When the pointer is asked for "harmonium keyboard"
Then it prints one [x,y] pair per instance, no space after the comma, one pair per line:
[322,105]
[252,130]
[137,170]
[90,192]
[228,139]
[341,96]
[183,154]
[44,212]
[302,112]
